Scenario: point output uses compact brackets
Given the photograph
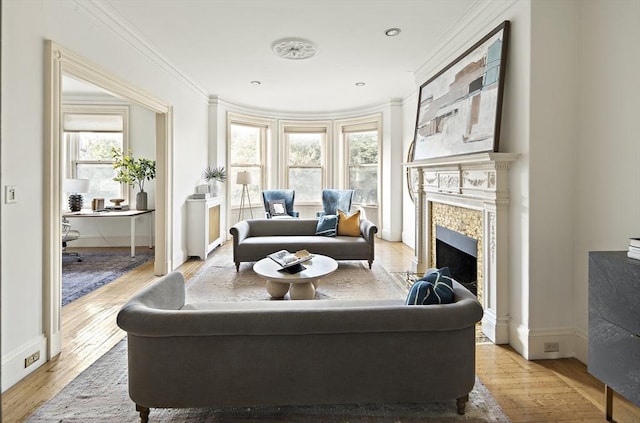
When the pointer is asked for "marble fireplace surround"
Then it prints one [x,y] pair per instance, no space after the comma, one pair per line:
[476,182]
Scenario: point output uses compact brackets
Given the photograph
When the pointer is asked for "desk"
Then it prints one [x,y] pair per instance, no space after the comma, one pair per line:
[131,214]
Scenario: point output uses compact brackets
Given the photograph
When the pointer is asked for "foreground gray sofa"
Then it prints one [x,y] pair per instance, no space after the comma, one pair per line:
[254,239]
[295,352]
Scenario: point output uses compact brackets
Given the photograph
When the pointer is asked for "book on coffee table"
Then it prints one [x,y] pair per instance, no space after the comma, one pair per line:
[286,259]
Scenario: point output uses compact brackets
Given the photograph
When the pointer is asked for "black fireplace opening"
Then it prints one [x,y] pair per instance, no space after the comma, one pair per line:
[459,253]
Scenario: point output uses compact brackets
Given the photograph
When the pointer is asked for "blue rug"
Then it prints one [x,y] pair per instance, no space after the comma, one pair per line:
[95,270]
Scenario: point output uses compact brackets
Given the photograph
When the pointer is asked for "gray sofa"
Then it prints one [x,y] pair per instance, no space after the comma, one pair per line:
[295,352]
[254,239]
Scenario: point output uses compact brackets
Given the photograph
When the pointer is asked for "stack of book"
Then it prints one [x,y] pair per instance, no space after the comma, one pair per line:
[286,259]
[634,248]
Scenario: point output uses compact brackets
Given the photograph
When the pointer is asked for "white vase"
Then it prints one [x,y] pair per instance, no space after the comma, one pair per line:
[215,188]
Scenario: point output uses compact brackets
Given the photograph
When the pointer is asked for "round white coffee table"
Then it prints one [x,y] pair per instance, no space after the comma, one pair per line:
[301,285]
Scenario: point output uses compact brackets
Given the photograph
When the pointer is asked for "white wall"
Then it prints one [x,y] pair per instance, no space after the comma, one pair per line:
[607,174]
[25,26]
[514,135]
[552,146]
[569,111]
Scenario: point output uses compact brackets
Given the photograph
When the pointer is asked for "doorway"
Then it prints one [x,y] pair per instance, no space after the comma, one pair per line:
[58,62]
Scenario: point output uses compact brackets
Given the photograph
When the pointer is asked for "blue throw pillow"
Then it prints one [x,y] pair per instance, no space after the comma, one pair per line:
[327,225]
[435,287]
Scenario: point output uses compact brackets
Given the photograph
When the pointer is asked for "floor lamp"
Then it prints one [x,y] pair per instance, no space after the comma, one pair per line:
[244,179]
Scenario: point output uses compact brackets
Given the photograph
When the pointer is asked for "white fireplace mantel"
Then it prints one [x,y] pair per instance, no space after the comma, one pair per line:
[479,182]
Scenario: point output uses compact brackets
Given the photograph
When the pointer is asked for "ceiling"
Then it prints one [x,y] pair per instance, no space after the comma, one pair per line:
[223,45]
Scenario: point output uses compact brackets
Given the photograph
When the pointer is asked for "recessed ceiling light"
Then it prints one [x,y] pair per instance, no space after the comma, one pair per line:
[360,84]
[294,48]
[392,32]
[256,82]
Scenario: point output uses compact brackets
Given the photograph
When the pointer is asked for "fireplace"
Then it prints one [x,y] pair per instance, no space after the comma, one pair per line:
[459,253]
[462,211]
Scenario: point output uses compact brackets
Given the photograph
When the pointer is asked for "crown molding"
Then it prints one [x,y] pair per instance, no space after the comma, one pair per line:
[463,33]
[116,23]
[215,100]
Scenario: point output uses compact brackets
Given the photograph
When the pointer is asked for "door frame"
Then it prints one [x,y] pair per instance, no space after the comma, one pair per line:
[59,61]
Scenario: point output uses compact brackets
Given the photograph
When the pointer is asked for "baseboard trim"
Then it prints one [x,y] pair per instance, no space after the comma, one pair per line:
[13,369]
[497,330]
[540,344]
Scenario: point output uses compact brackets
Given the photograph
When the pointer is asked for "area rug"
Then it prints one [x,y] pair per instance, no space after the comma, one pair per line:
[219,281]
[95,270]
[99,394]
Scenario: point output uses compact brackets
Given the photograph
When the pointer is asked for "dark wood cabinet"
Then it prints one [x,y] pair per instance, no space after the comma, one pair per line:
[614,324]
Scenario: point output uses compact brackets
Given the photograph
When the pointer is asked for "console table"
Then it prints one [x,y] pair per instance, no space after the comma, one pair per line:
[614,324]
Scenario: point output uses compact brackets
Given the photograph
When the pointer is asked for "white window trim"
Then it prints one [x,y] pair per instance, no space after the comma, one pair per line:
[359,124]
[312,126]
[266,145]
[69,156]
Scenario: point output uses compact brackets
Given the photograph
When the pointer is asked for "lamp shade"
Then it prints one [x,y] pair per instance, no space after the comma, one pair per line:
[74,186]
[244,178]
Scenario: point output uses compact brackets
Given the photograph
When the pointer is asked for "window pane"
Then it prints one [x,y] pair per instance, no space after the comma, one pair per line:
[101,183]
[307,183]
[245,144]
[98,145]
[364,180]
[363,147]
[305,149]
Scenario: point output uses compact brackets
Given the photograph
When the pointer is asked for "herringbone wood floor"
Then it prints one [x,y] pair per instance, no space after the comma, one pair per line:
[528,391]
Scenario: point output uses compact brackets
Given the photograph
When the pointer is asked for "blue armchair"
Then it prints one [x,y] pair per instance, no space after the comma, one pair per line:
[334,200]
[278,203]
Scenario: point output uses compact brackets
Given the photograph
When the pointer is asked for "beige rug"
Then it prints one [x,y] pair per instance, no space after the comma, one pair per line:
[218,281]
[100,393]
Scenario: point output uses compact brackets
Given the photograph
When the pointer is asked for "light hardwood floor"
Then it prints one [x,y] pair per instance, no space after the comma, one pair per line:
[528,391]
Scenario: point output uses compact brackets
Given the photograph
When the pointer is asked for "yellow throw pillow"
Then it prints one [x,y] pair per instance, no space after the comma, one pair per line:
[349,225]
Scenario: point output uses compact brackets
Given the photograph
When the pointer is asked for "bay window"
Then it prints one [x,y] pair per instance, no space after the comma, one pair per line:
[305,157]
[363,159]
[246,153]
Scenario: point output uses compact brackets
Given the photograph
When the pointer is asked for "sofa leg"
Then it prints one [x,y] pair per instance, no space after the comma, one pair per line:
[144,413]
[237,266]
[461,403]
[370,264]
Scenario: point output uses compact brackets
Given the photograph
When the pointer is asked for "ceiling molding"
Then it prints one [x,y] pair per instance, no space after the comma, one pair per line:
[116,23]
[463,34]
[215,100]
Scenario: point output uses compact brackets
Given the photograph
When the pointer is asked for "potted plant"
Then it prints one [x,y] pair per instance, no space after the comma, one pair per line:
[214,175]
[132,172]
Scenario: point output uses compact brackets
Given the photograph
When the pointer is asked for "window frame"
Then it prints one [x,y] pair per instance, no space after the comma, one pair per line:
[305,127]
[71,146]
[359,125]
[265,126]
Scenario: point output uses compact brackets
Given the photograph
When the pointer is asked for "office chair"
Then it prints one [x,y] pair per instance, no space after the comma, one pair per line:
[69,234]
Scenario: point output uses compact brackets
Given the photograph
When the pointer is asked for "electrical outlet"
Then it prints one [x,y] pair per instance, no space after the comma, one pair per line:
[551,347]
[31,359]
